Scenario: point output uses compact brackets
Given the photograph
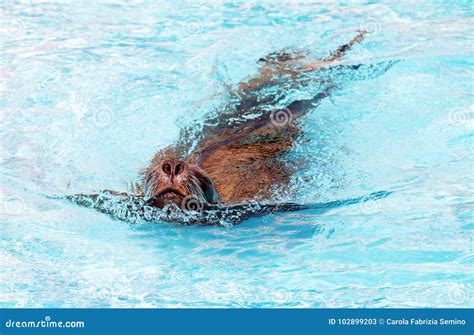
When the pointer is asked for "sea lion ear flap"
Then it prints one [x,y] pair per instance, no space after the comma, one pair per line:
[207,185]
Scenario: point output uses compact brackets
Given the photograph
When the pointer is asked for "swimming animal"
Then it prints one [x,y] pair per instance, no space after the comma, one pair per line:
[236,160]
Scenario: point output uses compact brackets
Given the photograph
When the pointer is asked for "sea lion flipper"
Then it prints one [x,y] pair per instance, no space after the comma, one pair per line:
[283,57]
[342,50]
[293,62]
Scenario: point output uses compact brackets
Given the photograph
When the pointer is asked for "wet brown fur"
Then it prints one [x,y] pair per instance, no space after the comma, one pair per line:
[245,159]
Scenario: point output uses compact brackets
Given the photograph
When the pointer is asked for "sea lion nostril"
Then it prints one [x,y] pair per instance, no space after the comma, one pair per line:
[178,169]
[167,168]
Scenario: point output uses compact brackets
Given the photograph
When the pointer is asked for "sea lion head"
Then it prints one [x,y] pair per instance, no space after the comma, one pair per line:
[176,181]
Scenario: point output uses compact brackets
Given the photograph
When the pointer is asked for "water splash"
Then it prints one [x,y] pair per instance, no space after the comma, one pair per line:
[135,209]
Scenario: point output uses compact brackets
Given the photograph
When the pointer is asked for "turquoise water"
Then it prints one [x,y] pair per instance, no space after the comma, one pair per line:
[89,92]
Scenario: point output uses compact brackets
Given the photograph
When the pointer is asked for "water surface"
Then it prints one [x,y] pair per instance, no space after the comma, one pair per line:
[89,92]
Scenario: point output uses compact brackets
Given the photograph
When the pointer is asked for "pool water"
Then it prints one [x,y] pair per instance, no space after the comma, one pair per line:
[89,92]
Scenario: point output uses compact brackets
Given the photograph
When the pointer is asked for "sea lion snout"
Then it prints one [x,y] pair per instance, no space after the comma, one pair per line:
[173,168]
[173,180]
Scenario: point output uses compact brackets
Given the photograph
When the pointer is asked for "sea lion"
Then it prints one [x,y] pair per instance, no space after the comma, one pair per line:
[236,161]
[236,158]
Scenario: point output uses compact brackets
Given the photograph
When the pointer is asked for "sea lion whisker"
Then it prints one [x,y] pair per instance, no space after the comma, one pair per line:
[194,189]
[150,185]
